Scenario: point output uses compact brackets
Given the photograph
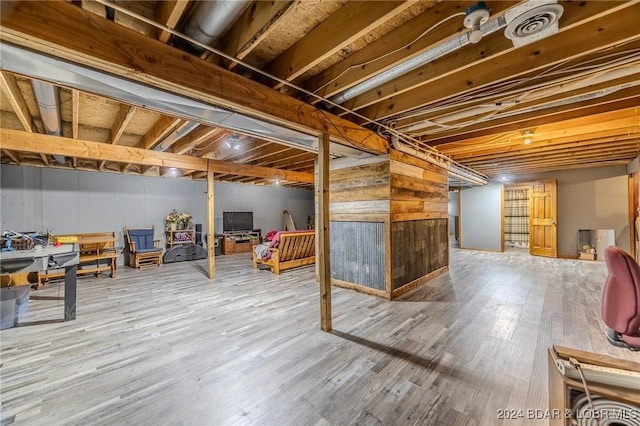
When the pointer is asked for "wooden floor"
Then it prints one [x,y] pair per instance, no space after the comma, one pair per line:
[167,346]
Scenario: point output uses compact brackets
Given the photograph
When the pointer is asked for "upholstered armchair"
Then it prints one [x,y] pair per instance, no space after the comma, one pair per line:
[143,249]
[621,299]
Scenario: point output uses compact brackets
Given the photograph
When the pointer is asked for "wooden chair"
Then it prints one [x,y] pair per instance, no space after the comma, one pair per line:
[143,249]
[289,250]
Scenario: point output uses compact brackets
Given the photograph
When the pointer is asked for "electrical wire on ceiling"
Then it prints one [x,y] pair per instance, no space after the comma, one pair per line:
[406,46]
[502,106]
[429,152]
[508,88]
[502,88]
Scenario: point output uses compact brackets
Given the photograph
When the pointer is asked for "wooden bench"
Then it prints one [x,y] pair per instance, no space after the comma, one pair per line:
[97,254]
[295,248]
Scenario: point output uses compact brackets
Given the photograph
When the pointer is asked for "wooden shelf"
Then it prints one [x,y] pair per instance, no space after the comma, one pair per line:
[240,242]
[180,236]
[97,254]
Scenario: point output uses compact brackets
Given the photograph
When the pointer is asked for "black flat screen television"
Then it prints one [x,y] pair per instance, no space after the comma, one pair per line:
[237,221]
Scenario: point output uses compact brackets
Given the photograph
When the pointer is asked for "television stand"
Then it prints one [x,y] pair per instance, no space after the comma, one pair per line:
[240,241]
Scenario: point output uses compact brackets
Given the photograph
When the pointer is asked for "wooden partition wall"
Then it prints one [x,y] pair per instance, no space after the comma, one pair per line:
[389,223]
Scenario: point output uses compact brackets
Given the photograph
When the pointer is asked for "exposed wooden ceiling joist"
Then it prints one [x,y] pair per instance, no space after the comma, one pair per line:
[55,145]
[16,99]
[342,28]
[196,137]
[254,25]
[69,32]
[397,46]
[159,131]
[168,13]
[527,121]
[595,35]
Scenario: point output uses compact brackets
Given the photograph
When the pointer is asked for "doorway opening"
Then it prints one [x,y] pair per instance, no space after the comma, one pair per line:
[516,217]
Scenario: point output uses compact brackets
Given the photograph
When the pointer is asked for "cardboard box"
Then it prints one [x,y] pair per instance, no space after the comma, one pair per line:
[586,256]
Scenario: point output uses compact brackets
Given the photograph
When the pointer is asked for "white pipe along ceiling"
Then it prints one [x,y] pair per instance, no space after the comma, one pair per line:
[48,99]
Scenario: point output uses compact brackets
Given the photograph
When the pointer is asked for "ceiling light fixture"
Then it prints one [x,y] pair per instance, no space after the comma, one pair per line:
[277,182]
[527,136]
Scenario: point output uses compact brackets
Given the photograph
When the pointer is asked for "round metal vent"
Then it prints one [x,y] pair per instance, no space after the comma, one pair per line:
[533,21]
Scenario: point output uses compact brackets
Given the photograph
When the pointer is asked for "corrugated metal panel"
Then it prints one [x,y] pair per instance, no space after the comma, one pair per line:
[419,248]
[358,253]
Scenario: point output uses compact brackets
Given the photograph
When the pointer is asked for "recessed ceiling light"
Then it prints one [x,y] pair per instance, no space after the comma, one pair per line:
[527,136]
[277,182]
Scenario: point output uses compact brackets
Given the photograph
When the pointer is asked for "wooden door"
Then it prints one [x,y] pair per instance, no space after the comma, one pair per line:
[543,219]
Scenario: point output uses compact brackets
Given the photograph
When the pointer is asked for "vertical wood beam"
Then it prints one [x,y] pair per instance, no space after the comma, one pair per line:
[75,120]
[211,255]
[323,232]
[75,106]
[633,207]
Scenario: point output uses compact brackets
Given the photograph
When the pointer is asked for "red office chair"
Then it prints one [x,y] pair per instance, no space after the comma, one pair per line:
[621,299]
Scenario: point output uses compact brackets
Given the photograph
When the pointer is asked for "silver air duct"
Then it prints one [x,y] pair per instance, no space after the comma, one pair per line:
[174,136]
[36,65]
[430,55]
[209,21]
[532,20]
[48,99]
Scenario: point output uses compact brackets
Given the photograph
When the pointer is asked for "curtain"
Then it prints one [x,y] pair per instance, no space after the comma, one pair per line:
[516,216]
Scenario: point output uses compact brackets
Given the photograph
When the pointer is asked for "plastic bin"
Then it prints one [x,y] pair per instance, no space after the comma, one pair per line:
[14,304]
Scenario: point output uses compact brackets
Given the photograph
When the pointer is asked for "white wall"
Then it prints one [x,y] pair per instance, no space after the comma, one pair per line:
[481,217]
[266,202]
[454,210]
[594,198]
[70,201]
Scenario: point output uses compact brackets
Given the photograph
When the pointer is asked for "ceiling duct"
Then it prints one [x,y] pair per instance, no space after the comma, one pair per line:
[444,48]
[495,109]
[176,135]
[532,21]
[209,20]
[48,100]
[35,65]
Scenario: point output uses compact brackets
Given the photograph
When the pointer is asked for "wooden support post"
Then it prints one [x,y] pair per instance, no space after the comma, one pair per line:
[211,246]
[323,232]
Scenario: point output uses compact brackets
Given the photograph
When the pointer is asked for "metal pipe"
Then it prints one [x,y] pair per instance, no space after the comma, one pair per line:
[174,136]
[209,21]
[430,55]
[47,97]
[454,169]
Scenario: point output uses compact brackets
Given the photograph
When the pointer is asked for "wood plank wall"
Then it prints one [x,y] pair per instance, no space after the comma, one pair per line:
[359,187]
[420,247]
[408,197]
[419,190]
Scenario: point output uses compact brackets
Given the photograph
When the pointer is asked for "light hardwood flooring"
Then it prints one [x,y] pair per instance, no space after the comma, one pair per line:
[167,346]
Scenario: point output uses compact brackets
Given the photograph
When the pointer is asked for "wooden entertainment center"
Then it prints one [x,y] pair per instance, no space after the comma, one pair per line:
[240,241]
